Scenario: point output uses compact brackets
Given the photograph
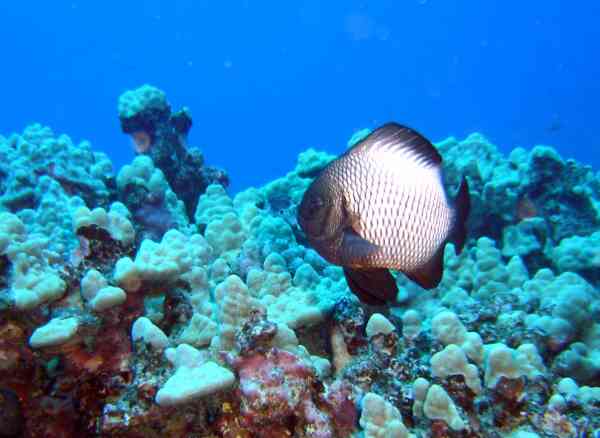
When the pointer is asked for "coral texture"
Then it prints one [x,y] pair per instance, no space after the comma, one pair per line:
[156,304]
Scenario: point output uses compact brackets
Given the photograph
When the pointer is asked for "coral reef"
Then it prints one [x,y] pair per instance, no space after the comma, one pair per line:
[146,115]
[143,188]
[155,304]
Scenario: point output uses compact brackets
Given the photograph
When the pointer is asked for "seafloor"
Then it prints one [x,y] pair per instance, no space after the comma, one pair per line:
[152,304]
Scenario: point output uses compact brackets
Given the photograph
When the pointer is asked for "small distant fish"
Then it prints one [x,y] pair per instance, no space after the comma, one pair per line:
[380,206]
[554,126]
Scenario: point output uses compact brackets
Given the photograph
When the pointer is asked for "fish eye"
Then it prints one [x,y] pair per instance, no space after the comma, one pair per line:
[317,204]
[313,206]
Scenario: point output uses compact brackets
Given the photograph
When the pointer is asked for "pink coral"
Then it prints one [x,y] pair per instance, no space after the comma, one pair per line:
[277,387]
[340,400]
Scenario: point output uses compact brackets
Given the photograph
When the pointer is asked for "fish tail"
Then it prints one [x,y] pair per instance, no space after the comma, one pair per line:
[462,206]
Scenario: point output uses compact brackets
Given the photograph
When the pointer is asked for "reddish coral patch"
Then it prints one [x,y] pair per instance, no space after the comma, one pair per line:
[141,141]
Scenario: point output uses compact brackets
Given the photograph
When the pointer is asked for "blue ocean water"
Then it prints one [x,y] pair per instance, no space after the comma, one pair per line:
[265,80]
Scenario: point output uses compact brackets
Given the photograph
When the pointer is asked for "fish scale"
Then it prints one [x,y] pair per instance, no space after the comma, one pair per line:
[413,251]
[380,206]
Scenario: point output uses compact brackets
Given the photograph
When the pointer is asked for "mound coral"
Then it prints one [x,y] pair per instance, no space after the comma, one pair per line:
[135,306]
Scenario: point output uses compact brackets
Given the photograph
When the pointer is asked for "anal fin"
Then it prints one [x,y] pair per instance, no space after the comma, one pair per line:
[372,286]
[430,274]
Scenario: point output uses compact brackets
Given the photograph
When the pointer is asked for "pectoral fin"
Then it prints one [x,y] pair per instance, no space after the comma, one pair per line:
[372,286]
[355,250]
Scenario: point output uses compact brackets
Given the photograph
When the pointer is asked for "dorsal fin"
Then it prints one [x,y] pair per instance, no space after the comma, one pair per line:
[393,138]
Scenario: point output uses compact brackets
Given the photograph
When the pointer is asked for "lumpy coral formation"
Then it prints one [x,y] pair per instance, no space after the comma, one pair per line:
[153,303]
[160,134]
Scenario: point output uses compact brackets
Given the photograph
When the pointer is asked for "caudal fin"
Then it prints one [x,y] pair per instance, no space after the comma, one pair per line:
[462,206]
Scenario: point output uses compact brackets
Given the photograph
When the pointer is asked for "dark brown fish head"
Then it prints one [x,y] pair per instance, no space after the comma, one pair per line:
[320,215]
